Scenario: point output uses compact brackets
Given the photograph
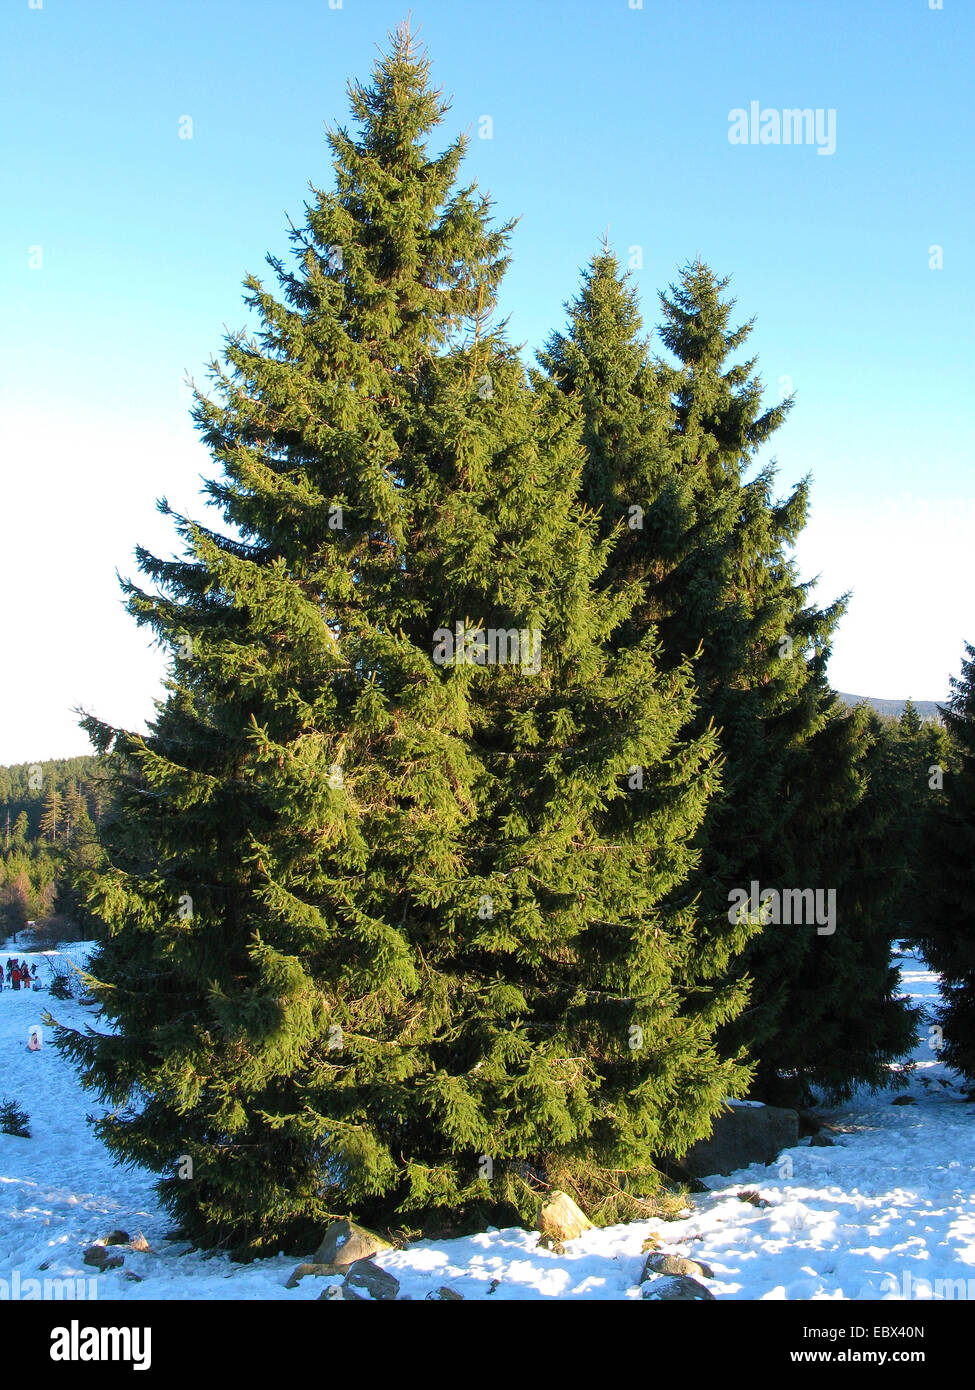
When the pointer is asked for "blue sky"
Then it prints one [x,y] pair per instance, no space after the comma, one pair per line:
[122,248]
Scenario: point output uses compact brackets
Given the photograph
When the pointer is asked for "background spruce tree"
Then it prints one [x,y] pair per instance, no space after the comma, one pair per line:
[670,442]
[910,760]
[382,935]
[645,507]
[946,902]
[51,822]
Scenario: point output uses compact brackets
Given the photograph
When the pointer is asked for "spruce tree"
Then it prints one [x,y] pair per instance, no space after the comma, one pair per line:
[670,443]
[645,507]
[51,821]
[907,776]
[946,899]
[381,936]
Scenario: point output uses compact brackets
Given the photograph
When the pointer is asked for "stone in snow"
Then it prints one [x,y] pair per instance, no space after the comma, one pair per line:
[344,1242]
[559,1219]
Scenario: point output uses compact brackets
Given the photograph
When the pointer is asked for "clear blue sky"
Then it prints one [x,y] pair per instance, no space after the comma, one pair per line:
[602,114]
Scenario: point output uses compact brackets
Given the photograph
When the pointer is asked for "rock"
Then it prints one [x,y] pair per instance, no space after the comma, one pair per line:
[339,1293]
[446,1295]
[319,1271]
[98,1256]
[904,1100]
[116,1238]
[742,1135]
[674,1264]
[365,1274]
[132,1276]
[559,1219]
[344,1242]
[821,1141]
[677,1290]
[750,1195]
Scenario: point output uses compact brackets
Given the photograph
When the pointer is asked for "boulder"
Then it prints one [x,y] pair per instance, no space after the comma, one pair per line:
[116,1238]
[99,1258]
[446,1295]
[821,1141]
[674,1264]
[677,1290]
[344,1242]
[742,1135]
[377,1282]
[559,1220]
[904,1100]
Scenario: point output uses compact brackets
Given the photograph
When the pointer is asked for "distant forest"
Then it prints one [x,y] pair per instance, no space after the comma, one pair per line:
[893,709]
[49,817]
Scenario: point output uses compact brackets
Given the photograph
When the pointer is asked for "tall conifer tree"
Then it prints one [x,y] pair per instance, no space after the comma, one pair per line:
[381,936]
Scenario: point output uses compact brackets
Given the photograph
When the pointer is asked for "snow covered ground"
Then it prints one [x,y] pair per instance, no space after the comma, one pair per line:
[886,1212]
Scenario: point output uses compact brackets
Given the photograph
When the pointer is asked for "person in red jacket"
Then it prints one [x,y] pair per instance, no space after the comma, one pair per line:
[15,975]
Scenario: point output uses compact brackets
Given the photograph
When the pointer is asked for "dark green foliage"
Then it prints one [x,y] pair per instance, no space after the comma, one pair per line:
[911,760]
[13,1120]
[646,507]
[946,888]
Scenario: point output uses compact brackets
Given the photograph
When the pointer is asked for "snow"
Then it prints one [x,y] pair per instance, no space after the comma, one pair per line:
[887,1212]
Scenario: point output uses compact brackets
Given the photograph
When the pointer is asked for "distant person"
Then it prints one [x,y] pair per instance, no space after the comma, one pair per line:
[15,975]
[1,977]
